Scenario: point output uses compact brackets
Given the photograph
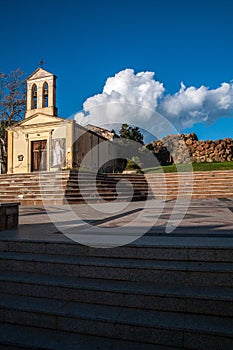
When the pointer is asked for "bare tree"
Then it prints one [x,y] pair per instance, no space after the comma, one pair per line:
[12,107]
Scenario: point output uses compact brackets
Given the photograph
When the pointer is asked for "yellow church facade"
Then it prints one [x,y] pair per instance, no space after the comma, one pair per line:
[42,141]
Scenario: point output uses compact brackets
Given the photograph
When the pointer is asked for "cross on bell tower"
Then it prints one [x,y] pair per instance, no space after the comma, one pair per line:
[41,63]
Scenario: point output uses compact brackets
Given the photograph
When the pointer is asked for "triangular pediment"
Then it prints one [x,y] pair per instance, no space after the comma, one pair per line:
[41,118]
[39,73]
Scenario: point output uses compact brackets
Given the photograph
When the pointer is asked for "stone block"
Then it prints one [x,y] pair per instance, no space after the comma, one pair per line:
[9,213]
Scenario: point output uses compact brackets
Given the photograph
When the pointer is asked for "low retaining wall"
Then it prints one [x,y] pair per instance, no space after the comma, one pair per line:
[185,147]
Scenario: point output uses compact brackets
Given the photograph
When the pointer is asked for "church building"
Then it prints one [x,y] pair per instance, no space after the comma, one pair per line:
[43,141]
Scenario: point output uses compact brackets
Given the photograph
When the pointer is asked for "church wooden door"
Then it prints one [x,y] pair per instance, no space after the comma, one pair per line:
[39,155]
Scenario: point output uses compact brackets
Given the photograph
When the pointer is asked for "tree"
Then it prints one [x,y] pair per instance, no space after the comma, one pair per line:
[12,106]
[131,146]
[131,133]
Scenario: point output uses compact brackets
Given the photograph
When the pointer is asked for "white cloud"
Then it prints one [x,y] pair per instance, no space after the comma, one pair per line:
[193,105]
[136,98]
[126,98]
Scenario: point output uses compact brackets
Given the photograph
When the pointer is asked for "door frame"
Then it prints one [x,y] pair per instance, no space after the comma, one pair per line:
[40,152]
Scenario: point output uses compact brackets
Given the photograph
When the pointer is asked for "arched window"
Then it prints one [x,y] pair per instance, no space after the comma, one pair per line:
[45,95]
[34,96]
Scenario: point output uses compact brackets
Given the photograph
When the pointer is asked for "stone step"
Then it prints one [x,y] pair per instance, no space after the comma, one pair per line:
[108,176]
[70,184]
[20,179]
[14,337]
[103,184]
[190,180]
[148,296]
[130,176]
[193,196]
[112,196]
[162,272]
[185,192]
[75,195]
[71,201]
[185,173]
[183,189]
[190,188]
[69,192]
[106,194]
[187,181]
[62,194]
[184,182]
[194,184]
[67,173]
[160,250]
[58,185]
[147,326]
[142,195]
[49,202]
[192,175]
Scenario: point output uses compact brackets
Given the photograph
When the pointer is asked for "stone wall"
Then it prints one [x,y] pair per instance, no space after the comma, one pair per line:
[185,147]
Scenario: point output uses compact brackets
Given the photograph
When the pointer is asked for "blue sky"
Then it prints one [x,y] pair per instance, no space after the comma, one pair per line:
[85,42]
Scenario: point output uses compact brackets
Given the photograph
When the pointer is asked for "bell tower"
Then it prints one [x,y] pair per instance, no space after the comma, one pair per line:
[41,93]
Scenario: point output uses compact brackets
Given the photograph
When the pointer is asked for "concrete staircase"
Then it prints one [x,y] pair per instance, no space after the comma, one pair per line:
[55,188]
[67,296]
[70,186]
[26,188]
[109,187]
[206,184]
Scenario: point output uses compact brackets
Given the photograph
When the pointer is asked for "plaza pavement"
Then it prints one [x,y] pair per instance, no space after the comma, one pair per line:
[199,222]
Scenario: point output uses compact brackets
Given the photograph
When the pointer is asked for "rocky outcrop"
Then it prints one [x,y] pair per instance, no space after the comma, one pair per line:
[184,148]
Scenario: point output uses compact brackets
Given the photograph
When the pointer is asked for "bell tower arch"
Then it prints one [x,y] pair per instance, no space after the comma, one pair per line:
[41,93]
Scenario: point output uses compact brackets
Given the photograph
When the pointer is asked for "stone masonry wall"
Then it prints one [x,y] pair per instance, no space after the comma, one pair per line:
[185,147]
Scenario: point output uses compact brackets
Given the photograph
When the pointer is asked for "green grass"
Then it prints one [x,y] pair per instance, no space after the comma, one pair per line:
[190,167]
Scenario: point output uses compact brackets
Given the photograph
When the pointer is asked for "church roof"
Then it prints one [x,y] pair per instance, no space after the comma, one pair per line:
[40,73]
[107,134]
[39,119]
